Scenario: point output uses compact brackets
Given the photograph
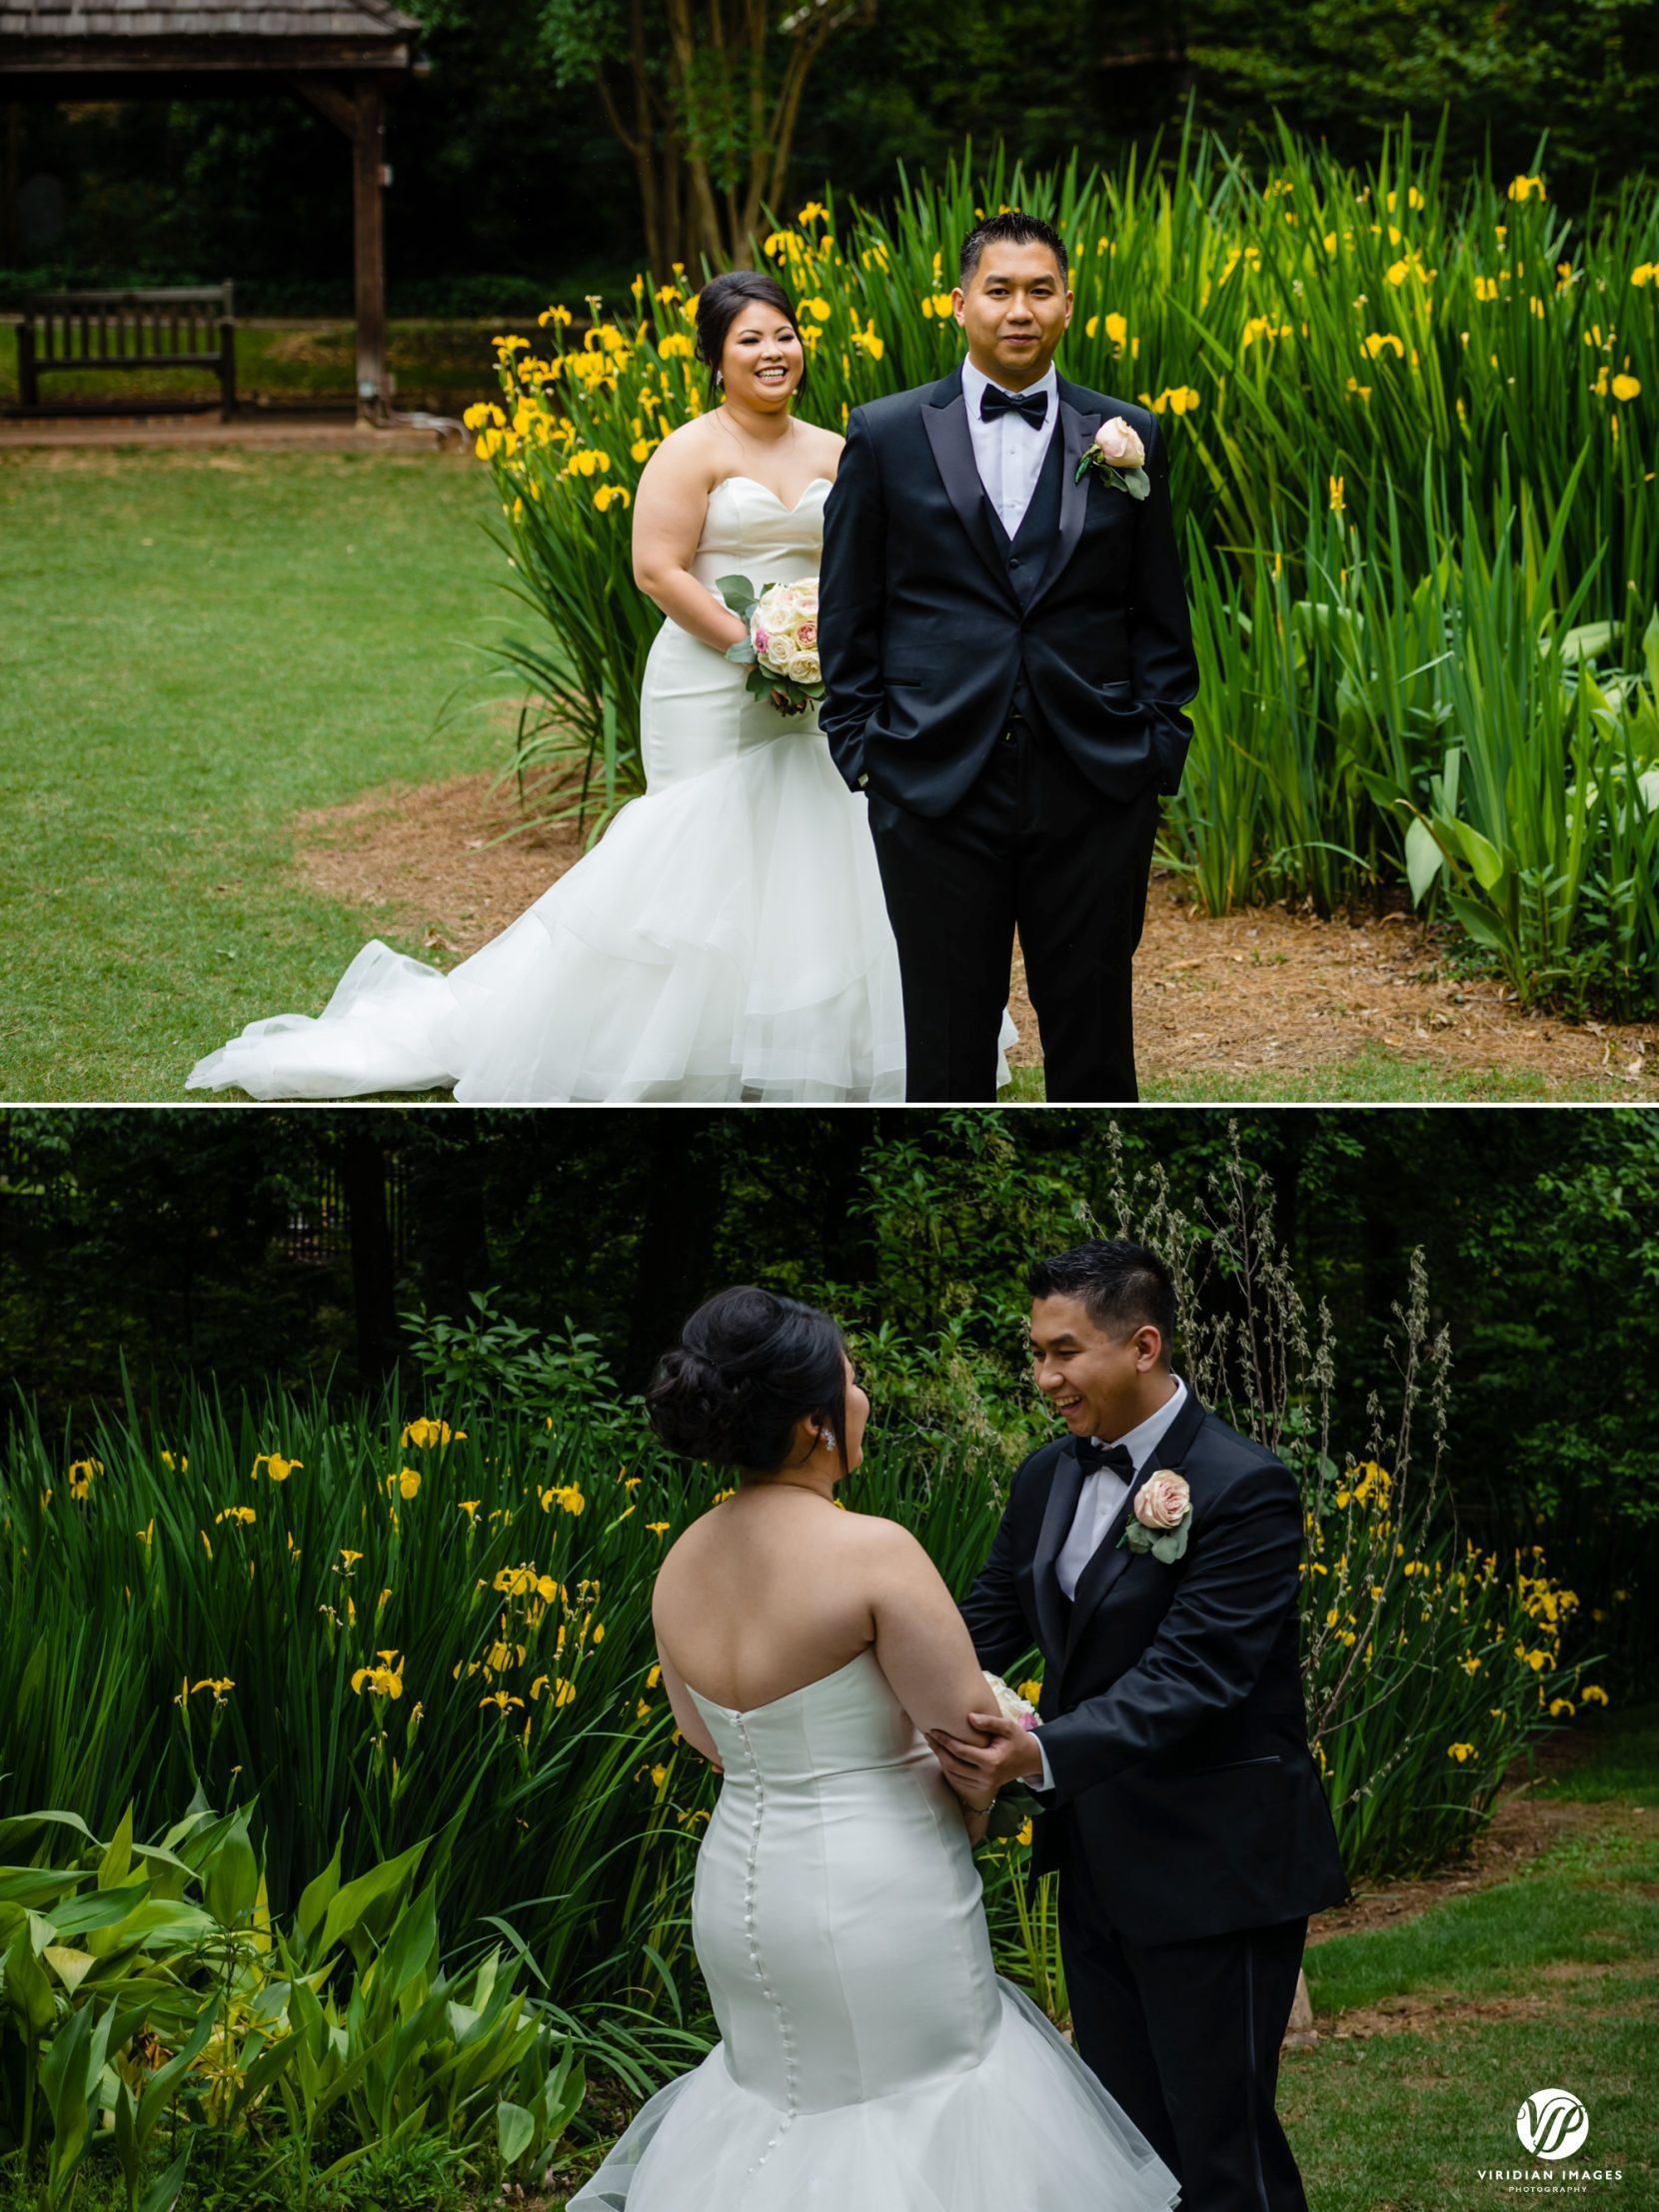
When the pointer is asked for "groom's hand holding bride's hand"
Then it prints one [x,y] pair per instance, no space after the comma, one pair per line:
[978,1771]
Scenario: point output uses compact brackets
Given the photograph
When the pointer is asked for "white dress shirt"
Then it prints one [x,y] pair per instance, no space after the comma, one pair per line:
[1102,1493]
[1008,453]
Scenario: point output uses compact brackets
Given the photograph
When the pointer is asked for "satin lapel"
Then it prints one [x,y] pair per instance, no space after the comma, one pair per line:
[1110,1557]
[946,419]
[1065,1488]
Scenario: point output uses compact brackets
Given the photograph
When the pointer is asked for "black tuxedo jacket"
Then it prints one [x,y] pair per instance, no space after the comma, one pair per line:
[924,636]
[1184,1795]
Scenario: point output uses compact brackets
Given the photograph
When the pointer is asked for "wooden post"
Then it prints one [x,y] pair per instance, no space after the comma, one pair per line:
[28,388]
[368,160]
[11,164]
[361,114]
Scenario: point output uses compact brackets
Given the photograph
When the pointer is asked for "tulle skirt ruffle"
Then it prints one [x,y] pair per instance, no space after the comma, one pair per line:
[1029,2127]
[726,939]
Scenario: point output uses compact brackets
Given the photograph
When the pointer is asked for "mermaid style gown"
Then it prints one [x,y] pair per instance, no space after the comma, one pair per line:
[870,2059]
[726,939]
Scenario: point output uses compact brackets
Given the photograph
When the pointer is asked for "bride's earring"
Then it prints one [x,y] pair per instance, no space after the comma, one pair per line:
[720,376]
[828,1440]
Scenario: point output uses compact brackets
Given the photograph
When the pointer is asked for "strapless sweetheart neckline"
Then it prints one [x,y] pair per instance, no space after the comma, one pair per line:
[748,1713]
[739,478]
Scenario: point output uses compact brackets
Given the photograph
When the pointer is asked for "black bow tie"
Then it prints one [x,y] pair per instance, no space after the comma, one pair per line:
[1092,1455]
[993,401]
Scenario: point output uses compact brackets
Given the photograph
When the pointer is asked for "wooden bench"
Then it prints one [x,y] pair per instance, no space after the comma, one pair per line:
[176,327]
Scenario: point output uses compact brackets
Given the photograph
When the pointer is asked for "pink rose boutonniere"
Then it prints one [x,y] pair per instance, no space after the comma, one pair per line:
[1162,1517]
[1120,458]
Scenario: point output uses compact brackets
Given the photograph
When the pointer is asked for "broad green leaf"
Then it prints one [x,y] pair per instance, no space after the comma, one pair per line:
[1482,855]
[1422,857]
[1476,922]
[21,1827]
[99,1909]
[412,1942]
[70,1967]
[27,1987]
[317,1895]
[161,2084]
[117,1861]
[515,2131]
[231,1877]
[370,1899]
[1586,641]
[163,2192]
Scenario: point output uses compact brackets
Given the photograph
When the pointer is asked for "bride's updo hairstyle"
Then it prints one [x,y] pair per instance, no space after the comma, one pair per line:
[719,305]
[748,1366]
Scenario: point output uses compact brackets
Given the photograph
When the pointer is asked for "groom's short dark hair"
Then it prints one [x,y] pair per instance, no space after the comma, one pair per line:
[1012,228]
[1122,1285]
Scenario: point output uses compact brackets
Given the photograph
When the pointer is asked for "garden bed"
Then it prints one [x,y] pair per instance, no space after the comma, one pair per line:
[1262,1002]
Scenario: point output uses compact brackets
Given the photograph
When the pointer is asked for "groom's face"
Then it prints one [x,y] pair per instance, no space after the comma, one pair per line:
[1095,1381]
[1014,311]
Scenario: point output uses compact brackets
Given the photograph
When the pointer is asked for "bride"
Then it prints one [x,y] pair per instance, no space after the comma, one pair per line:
[727,937]
[870,2055]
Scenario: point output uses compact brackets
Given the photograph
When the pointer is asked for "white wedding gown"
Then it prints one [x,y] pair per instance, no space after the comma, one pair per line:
[870,2060]
[726,939]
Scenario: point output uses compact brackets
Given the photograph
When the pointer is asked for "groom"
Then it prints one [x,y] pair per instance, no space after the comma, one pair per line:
[1181,1808]
[1007,650]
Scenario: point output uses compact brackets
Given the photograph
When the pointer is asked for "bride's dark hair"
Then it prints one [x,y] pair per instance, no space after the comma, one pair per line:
[749,1364]
[717,305]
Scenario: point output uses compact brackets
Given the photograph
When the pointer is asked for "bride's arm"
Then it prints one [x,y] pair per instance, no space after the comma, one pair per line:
[689,1720]
[670,507]
[922,1644]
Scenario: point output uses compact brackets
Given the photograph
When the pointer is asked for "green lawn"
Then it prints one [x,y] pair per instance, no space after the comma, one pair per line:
[193,648]
[1559,1972]
[1371,1073]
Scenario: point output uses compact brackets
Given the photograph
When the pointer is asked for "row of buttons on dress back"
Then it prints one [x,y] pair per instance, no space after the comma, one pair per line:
[785,2032]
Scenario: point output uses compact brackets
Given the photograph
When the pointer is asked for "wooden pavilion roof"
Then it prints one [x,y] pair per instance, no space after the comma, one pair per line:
[100,37]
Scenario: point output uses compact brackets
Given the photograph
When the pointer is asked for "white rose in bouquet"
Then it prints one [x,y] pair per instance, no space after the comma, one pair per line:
[1010,1704]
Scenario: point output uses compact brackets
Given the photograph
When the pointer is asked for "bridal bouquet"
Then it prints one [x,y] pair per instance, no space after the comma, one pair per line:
[781,650]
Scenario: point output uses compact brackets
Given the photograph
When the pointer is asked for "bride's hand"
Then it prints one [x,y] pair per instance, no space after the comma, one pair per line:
[785,706]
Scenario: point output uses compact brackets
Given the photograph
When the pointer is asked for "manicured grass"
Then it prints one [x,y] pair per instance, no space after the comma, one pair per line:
[1372,1072]
[195,648]
[1550,1981]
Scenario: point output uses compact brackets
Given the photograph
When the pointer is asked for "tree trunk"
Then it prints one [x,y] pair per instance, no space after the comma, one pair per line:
[685,1186]
[686,214]
[363,1177]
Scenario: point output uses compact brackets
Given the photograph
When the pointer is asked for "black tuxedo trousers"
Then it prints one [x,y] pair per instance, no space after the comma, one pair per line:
[1032,847]
[1187,2037]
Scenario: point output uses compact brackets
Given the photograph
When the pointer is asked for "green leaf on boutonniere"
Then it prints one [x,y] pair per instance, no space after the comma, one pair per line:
[1133,480]
[1167,1545]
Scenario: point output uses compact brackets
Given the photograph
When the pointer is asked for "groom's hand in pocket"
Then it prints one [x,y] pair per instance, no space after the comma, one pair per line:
[978,1771]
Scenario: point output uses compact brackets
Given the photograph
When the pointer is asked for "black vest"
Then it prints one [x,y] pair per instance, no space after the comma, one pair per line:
[1026,552]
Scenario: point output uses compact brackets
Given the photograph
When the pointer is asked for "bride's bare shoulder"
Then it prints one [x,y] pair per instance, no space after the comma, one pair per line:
[826,448]
[687,460]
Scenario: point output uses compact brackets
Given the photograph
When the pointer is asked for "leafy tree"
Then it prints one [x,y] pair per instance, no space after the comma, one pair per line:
[706,100]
